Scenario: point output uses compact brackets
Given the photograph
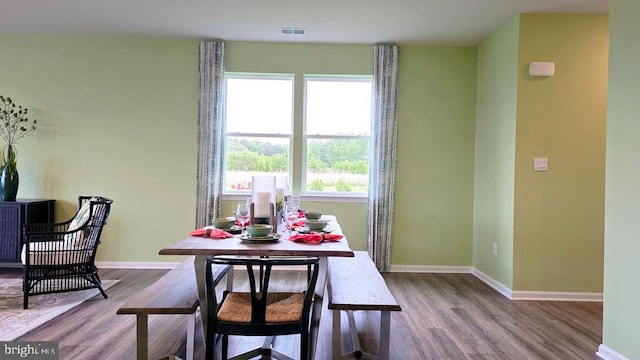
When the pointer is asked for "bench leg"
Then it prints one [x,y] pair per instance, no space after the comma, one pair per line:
[385,324]
[353,330]
[337,344]
[191,341]
[142,336]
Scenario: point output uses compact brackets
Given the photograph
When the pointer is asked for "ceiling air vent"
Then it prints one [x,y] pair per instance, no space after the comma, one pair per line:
[292,31]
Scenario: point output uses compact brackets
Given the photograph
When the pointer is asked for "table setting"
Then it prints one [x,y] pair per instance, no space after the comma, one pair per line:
[299,226]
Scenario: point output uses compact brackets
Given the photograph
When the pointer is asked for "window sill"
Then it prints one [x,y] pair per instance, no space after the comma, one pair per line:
[311,198]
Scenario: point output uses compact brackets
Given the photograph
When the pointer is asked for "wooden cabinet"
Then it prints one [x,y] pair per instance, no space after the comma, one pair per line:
[13,214]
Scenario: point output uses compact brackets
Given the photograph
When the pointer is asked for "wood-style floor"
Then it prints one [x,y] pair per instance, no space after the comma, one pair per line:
[445,316]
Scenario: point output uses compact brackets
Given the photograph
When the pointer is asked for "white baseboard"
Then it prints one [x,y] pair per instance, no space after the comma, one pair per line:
[499,287]
[556,296]
[430,269]
[135,265]
[607,353]
[496,285]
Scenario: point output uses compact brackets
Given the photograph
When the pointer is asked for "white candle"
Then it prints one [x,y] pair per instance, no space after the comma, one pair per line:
[279,193]
[262,205]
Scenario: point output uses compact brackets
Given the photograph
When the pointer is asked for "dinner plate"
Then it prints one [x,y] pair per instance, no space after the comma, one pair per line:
[306,230]
[260,239]
[235,229]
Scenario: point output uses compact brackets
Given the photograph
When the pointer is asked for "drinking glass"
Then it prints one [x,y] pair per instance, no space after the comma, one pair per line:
[243,215]
[295,201]
[290,215]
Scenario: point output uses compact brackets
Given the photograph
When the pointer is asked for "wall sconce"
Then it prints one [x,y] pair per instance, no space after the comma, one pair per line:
[540,68]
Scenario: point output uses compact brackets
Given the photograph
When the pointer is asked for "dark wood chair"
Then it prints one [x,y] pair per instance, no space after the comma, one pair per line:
[260,312]
[59,257]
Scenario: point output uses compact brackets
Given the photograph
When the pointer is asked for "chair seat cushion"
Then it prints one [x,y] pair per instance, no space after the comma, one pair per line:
[281,307]
[50,253]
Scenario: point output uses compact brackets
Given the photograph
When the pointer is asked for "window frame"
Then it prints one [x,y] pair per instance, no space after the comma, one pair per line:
[306,137]
[296,177]
[274,135]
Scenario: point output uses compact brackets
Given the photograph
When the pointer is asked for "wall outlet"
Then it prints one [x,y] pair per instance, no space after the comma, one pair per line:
[495,248]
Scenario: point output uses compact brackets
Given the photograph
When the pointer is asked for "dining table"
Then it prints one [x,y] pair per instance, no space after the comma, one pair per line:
[204,247]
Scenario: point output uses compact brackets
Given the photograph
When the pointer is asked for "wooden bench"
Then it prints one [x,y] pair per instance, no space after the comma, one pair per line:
[355,284]
[176,292]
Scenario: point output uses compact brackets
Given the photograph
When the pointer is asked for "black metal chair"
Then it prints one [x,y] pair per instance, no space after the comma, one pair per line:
[260,312]
[59,257]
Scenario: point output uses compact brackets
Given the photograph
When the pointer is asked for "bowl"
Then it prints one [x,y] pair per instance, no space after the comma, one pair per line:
[259,230]
[315,224]
[224,223]
[312,215]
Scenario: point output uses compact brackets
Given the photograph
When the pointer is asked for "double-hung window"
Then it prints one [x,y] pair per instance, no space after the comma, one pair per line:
[259,121]
[322,150]
[336,135]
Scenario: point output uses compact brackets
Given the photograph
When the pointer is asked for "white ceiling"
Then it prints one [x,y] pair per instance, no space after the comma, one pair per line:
[434,22]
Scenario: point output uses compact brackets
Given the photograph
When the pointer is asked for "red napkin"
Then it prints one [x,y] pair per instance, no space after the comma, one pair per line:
[315,238]
[298,223]
[211,233]
[332,237]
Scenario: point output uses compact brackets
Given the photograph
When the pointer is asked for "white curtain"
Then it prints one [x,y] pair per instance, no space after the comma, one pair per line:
[383,154]
[210,132]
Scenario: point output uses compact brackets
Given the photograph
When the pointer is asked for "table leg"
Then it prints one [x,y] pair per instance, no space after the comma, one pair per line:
[142,336]
[316,311]
[199,265]
[385,324]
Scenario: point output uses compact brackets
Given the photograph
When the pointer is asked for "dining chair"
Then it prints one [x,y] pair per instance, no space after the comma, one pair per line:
[260,311]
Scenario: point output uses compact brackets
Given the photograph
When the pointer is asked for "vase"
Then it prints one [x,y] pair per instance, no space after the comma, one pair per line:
[9,175]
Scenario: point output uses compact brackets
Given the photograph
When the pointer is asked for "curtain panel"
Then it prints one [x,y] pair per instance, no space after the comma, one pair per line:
[383,154]
[210,132]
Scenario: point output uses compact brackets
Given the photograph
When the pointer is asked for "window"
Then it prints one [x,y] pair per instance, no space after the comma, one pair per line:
[337,134]
[331,139]
[259,115]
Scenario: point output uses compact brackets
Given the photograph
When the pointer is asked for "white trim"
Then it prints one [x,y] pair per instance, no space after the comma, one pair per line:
[606,353]
[135,265]
[430,269]
[498,286]
[556,296]
[329,197]
[536,295]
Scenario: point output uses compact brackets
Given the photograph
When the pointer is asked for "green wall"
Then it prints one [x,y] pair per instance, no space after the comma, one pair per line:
[495,146]
[548,226]
[434,179]
[621,329]
[436,113]
[117,118]
[559,214]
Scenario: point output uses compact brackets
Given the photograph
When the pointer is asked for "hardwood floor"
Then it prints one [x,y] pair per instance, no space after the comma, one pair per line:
[445,316]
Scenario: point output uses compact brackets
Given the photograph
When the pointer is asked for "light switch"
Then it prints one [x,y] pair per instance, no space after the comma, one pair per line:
[540,164]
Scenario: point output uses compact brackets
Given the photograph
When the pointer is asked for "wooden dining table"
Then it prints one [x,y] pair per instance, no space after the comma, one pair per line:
[203,247]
